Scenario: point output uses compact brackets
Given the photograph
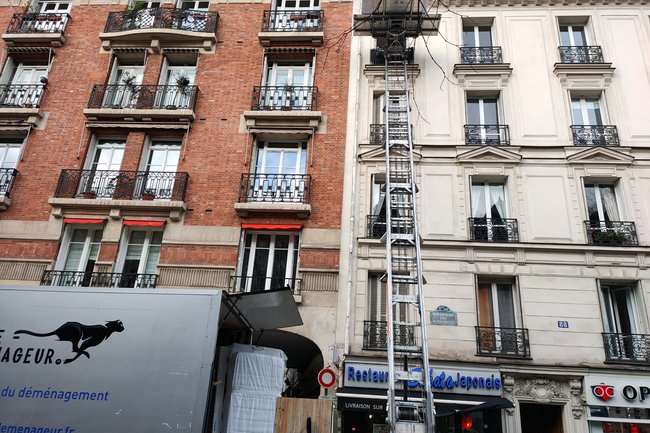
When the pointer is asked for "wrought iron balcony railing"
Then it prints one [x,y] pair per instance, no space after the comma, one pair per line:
[7,177]
[275,188]
[595,135]
[510,342]
[162,18]
[38,23]
[480,55]
[127,96]
[493,229]
[297,20]
[615,233]
[627,347]
[487,134]
[288,98]
[98,279]
[375,333]
[21,95]
[245,283]
[586,54]
[401,224]
[123,185]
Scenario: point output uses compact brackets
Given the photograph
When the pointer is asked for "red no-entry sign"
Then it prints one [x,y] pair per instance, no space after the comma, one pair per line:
[327,378]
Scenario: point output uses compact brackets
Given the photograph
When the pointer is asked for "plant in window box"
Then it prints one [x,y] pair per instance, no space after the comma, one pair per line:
[604,236]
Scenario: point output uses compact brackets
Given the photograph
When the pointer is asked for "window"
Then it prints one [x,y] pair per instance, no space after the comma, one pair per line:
[483,121]
[79,252]
[139,257]
[478,45]
[586,111]
[52,7]
[622,323]
[589,121]
[124,82]
[295,14]
[10,149]
[25,81]
[498,319]
[376,326]
[572,35]
[604,226]
[288,84]
[601,203]
[489,220]
[279,172]
[177,75]
[102,177]
[377,218]
[161,167]
[195,5]
[269,261]
[477,36]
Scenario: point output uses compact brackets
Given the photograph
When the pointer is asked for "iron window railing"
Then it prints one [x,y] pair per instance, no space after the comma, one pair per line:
[626,347]
[21,95]
[247,283]
[288,98]
[162,18]
[7,178]
[615,233]
[595,135]
[275,188]
[494,229]
[480,55]
[487,134]
[296,20]
[376,226]
[586,54]
[98,279]
[130,96]
[509,342]
[124,185]
[377,133]
[38,23]
[375,333]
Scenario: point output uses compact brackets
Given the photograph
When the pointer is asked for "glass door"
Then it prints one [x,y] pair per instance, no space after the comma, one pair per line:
[162,166]
[270,261]
[287,86]
[80,256]
[294,14]
[103,177]
[496,314]
[141,257]
[489,211]
[124,90]
[26,87]
[178,87]
[278,170]
[54,24]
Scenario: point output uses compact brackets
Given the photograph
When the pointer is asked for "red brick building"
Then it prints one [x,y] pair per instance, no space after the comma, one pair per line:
[194,144]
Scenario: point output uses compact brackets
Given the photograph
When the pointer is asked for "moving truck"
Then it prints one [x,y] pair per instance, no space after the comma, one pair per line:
[98,360]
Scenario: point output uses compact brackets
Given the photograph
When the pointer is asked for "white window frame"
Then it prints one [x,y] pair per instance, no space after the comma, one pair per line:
[476,27]
[294,245]
[65,245]
[124,245]
[599,201]
[570,32]
[284,147]
[7,143]
[582,99]
[632,307]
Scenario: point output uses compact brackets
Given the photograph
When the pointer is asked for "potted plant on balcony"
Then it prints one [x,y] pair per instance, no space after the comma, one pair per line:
[148,194]
[603,236]
[180,94]
[287,97]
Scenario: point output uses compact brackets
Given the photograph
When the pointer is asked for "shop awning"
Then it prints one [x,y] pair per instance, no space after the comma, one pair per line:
[260,311]
[446,404]
[138,223]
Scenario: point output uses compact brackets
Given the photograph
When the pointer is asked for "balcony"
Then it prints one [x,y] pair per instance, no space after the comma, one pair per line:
[631,348]
[493,135]
[493,230]
[244,284]
[274,193]
[595,135]
[35,28]
[583,55]
[21,102]
[144,102]
[480,55]
[611,233]
[7,178]
[98,279]
[288,26]
[375,333]
[156,28]
[116,190]
[502,342]
[284,106]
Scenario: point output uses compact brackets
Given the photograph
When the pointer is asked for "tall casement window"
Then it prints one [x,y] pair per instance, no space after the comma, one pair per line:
[295,14]
[478,45]
[477,36]
[573,35]
[78,254]
[483,122]
[138,258]
[589,117]
[377,217]
[586,110]
[196,5]
[23,79]
[499,331]
[279,172]
[604,224]
[177,78]
[161,165]
[577,42]
[288,83]
[102,176]
[489,221]
[623,323]
[10,149]
[374,327]
[269,261]
[125,80]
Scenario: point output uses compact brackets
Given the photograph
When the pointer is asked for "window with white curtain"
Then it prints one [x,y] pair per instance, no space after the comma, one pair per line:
[601,202]
[623,321]
[489,212]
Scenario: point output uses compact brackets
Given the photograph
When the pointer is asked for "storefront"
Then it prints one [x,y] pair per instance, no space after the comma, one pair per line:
[618,404]
[466,399]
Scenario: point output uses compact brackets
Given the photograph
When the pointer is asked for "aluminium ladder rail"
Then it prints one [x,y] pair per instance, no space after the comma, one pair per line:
[406,336]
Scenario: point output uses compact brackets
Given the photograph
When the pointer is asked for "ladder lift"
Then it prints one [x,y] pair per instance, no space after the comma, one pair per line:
[410,398]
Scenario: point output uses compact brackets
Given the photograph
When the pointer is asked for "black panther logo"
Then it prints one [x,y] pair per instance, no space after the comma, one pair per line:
[81,336]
